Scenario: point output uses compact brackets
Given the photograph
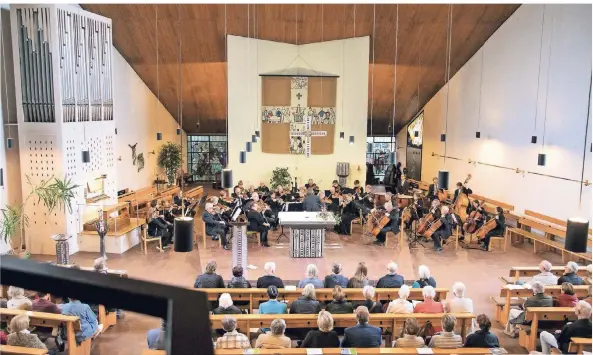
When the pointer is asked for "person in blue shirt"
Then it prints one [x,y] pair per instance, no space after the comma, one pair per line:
[273,306]
[89,327]
[156,337]
[311,277]
[336,278]
[424,278]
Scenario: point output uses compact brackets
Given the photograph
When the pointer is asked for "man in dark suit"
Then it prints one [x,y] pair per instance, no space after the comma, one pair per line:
[433,189]
[581,328]
[258,223]
[262,188]
[403,187]
[392,225]
[214,227]
[461,189]
[445,231]
[392,279]
[362,335]
[312,202]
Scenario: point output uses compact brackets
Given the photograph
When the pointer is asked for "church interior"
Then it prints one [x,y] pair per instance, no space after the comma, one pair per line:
[265,178]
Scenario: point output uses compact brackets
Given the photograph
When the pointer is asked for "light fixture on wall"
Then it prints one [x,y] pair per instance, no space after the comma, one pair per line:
[443,137]
[242,157]
[342,135]
[248,147]
[351,139]
[253,138]
[178,131]
[159,136]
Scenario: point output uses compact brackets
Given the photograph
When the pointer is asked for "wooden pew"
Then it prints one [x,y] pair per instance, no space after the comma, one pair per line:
[577,345]
[338,351]
[556,221]
[536,314]
[52,320]
[257,295]
[503,309]
[18,350]
[196,192]
[517,272]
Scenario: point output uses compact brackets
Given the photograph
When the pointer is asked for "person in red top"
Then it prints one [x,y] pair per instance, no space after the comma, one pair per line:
[43,304]
[567,298]
[429,305]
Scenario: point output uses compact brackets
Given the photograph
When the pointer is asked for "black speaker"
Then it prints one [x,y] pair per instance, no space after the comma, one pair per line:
[577,231]
[184,234]
[242,157]
[443,179]
[226,177]
[159,136]
[86,156]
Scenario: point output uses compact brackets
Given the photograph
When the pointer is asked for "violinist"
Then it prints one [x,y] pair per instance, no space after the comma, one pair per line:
[250,191]
[240,186]
[224,199]
[238,194]
[433,189]
[310,184]
[275,203]
[262,188]
[498,231]
[393,225]
[257,223]
[418,205]
[311,202]
[214,227]
[358,189]
[177,200]
[403,186]
[368,198]
[157,225]
[280,193]
[446,229]
[265,210]
[333,200]
[336,185]
[349,212]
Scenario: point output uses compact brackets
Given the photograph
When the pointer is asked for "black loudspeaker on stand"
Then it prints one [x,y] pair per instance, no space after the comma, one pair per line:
[184,234]
[577,231]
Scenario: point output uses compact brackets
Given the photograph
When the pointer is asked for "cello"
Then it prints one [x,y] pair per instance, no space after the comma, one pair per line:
[434,226]
[425,223]
[471,223]
[490,225]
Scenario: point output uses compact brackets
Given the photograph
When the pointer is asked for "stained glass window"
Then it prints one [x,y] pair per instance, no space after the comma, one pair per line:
[206,155]
[378,149]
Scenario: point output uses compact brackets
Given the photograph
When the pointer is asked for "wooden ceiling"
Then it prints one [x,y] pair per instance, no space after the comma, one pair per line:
[421,62]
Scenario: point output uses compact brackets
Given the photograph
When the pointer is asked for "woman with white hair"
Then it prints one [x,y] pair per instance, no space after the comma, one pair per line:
[581,328]
[311,277]
[325,337]
[545,276]
[373,306]
[100,265]
[225,305]
[269,279]
[307,303]
[459,303]
[424,278]
[20,336]
[429,305]
[401,305]
[275,338]
[570,274]
[587,280]
[17,299]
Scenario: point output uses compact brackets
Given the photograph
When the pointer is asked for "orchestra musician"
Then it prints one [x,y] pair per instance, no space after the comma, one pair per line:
[336,185]
[257,223]
[403,186]
[250,191]
[358,189]
[418,205]
[280,192]
[224,199]
[498,231]
[311,202]
[240,186]
[445,230]
[435,209]
[275,203]
[476,206]
[310,184]
[157,226]
[393,225]
[398,173]
[461,188]
[266,211]
[349,212]
[262,188]
[214,227]
[239,194]
[433,189]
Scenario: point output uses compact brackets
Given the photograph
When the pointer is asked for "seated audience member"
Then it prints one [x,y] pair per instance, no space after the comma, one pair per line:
[588,298]
[20,336]
[306,304]
[447,339]
[231,338]
[429,305]
[325,337]
[336,278]
[339,305]
[311,278]
[238,281]
[459,303]
[215,228]
[587,279]
[225,305]
[89,327]
[545,276]
[566,298]
[209,279]
[539,299]
[272,306]
[581,328]
[392,279]
[401,305]
[362,335]
[43,304]
[156,337]
[424,278]
[275,338]
[410,338]
[100,265]
[570,274]
[269,279]
[359,280]
[17,299]
[370,304]
[482,338]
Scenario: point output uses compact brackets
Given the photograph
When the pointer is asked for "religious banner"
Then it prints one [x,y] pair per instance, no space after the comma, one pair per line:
[300,111]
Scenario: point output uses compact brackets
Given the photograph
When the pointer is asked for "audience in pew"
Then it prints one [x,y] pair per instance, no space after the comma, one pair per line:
[459,303]
[447,339]
[401,305]
[588,299]
[272,306]
[570,274]
[587,280]
[307,303]
[17,299]
[370,304]
[325,336]
[311,278]
[424,278]
[360,279]
[539,299]
[225,305]
[560,339]
[43,304]
[545,276]
[566,298]
[156,337]
[275,338]
[410,338]
[362,335]
[89,327]
[336,277]
[209,279]
[231,338]
[482,338]
[339,305]
[238,281]
[269,279]
[100,265]
[20,336]
[392,279]
[429,305]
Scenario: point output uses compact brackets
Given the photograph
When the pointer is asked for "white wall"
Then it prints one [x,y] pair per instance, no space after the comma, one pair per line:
[508,106]
[347,58]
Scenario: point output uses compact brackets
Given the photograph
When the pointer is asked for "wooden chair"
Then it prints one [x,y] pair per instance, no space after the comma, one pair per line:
[528,337]
[147,239]
[204,236]
[502,239]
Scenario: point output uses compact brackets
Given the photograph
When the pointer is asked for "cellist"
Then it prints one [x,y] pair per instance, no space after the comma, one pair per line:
[392,225]
[498,231]
[446,229]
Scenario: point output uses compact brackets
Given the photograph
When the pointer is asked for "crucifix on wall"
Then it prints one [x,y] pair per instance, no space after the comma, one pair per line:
[306,135]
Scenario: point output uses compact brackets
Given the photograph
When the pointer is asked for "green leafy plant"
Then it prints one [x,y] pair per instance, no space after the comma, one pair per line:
[169,159]
[280,177]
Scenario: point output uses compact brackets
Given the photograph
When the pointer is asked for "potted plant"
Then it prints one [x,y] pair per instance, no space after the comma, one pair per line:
[54,193]
[169,159]
[280,177]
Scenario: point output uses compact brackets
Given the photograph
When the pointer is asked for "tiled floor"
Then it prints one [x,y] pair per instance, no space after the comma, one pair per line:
[477,269]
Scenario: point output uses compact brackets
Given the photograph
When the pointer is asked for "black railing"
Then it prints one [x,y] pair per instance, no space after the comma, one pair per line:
[185,310]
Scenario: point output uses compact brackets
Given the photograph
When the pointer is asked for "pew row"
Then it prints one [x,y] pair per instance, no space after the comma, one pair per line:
[338,351]
[528,335]
[19,350]
[577,345]
[516,272]
[52,320]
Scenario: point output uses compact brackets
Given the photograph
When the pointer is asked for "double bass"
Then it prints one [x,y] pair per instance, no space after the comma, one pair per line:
[462,201]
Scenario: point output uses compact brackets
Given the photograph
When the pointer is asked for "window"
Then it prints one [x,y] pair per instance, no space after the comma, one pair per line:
[206,156]
[378,149]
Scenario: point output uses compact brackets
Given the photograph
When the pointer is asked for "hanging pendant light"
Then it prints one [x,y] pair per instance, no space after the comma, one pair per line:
[253,138]
[541,159]
[342,135]
[226,178]
[478,134]
[351,139]
[443,174]
[1,177]
[9,143]
[248,147]
[539,68]
[443,137]
[533,139]
[443,179]
[178,131]
[159,136]
[242,157]
[257,134]
[392,125]
[86,156]
[116,131]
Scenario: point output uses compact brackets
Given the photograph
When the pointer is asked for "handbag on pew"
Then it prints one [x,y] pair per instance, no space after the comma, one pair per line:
[426,332]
